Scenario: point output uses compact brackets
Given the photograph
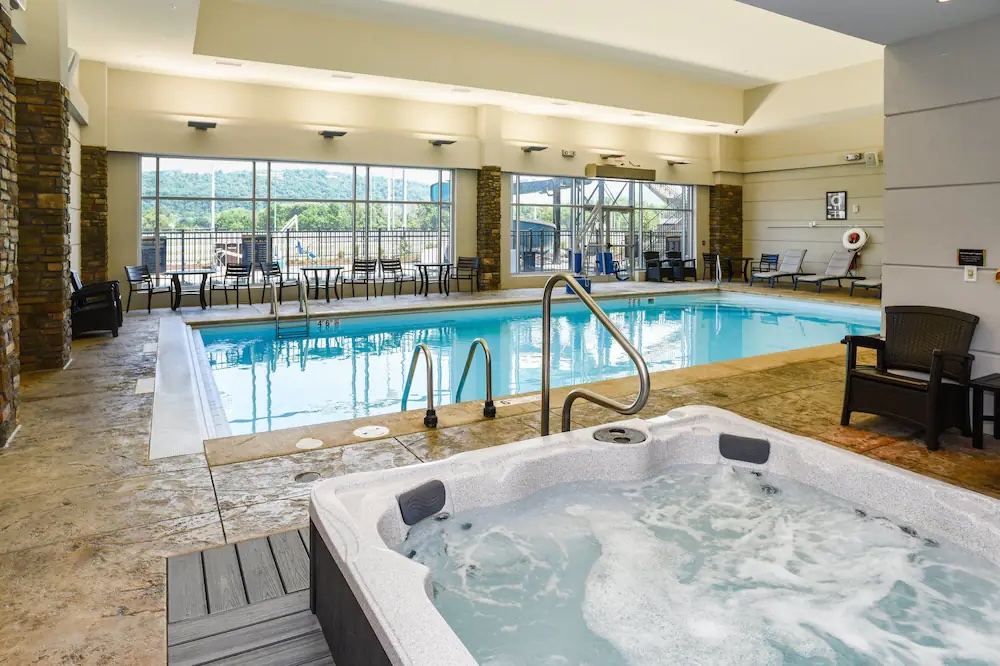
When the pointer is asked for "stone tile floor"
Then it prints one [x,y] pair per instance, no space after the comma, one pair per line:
[86,519]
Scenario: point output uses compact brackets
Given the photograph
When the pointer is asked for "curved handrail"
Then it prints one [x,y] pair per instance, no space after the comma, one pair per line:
[274,304]
[430,418]
[575,394]
[304,300]
[489,409]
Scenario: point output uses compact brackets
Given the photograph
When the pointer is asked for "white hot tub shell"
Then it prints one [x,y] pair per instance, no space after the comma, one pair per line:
[375,604]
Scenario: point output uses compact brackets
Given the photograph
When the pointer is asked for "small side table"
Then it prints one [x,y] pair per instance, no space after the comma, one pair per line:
[980,386]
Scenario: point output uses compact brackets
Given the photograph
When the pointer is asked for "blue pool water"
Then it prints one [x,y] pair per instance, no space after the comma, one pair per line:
[357,367]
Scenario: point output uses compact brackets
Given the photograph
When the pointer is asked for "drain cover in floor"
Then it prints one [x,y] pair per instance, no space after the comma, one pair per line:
[371,432]
[309,443]
[306,477]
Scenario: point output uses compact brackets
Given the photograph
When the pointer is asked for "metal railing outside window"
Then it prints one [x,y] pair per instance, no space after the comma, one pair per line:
[199,212]
[554,217]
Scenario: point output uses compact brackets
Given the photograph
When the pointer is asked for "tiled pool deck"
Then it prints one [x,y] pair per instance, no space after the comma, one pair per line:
[86,519]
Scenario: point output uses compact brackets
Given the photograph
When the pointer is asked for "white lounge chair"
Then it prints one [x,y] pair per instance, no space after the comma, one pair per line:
[791,265]
[838,269]
[867,284]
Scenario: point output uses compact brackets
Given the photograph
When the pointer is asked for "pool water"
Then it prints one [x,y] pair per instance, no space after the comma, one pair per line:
[704,565]
[357,366]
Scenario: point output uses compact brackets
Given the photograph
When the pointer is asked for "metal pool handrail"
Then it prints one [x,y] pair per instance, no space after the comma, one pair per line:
[489,409]
[430,418]
[304,300]
[274,305]
[575,394]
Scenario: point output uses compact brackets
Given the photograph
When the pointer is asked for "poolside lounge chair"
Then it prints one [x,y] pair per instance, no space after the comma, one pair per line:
[922,372]
[838,269]
[139,279]
[867,284]
[790,266]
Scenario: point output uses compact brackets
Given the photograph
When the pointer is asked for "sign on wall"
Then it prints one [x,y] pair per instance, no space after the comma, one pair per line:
[836,205]
[972,258]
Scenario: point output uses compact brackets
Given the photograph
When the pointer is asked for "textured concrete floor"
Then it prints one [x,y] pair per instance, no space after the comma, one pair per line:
[86,519]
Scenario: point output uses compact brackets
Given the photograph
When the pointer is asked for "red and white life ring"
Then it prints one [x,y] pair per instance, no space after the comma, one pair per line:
[855,238]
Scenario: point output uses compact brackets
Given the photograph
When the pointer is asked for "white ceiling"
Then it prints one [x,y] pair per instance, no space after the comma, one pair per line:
[883,21]
[719,40]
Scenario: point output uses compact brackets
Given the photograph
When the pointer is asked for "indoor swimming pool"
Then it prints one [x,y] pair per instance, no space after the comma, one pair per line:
[357,366]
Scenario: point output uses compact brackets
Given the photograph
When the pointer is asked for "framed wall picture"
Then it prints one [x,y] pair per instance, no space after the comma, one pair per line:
[836,205]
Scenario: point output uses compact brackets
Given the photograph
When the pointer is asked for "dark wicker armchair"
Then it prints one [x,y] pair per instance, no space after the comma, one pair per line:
[922,371]
[95,307]
[654,266]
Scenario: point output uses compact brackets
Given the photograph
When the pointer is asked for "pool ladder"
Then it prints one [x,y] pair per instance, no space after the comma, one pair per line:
[295,328]
[430,417]
[489,409]
[578,393]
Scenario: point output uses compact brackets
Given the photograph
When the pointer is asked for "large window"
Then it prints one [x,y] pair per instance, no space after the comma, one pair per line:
[554,218]
[199,213]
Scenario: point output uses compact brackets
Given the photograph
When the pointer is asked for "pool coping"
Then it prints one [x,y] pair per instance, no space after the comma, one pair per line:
[244,448]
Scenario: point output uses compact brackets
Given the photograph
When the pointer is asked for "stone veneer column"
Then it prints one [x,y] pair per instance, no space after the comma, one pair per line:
[725,220]
[488,206]
[10,372]
[43,174]
[94,214]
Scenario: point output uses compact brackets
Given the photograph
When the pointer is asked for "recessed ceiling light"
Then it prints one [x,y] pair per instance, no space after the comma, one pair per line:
[712,125]
[337,75]
[559,102]
[640,115]
[942,0]
[228,63]
[460,90]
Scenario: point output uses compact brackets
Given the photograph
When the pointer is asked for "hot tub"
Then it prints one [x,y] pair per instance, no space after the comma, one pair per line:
[771,576]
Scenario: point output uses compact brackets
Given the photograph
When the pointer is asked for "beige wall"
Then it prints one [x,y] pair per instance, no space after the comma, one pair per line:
[784,191]
[942,105]
[74,195]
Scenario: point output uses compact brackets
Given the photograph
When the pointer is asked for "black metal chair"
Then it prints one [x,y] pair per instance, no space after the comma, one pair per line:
[467,268]
[679,268]
[236,276]
[708,265]
[393,271]
[654,266]
[275,278]
[922,373]
[362,272]
[139,279]
[95,307]
[768,262]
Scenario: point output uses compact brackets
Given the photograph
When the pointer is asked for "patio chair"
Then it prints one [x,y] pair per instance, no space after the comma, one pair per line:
[392,270]
[275,278]
[768,262]
[467,268]
[838,269]
[654,266]
[708,265]
[790,266]
[362,272]
[140,280]
[679,268]
[922,372]
[95,307]
[867,284]
[236,276]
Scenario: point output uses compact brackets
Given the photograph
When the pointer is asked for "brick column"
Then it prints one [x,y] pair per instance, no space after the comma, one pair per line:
[725,220]
[488,206]
[10,371]
[94,214]
[43,173]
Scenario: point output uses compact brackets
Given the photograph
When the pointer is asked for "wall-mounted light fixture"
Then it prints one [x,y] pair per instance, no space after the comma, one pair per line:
[673,160]
[203,125]
[332,134]
[534,149]
[441,142]
[613,156]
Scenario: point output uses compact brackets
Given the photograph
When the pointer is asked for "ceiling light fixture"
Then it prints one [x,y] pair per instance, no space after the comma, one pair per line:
[534,149]
[460,90]
[441,142]
[942,0]
[203,125]
[228,63]
[559,102]
[332,134]
[337,75]
[640,115]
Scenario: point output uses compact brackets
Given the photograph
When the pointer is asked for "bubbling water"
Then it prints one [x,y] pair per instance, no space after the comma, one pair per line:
[704,565]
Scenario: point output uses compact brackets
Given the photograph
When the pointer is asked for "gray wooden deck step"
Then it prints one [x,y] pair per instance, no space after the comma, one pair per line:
[244,603]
